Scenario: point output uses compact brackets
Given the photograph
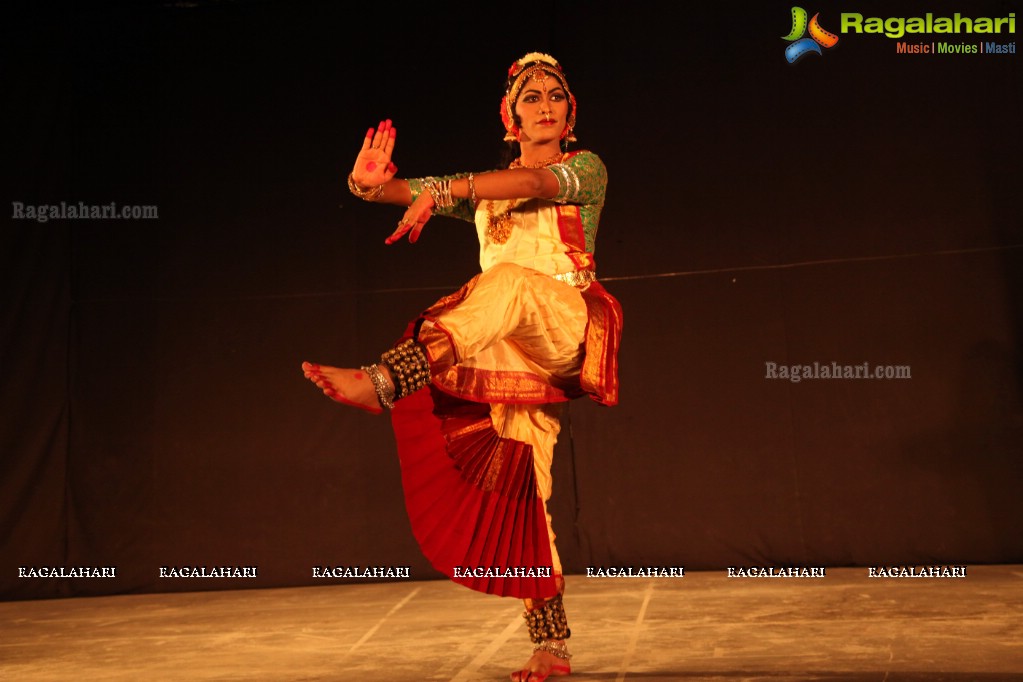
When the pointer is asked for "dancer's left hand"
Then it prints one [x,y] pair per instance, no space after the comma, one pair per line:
[414,219]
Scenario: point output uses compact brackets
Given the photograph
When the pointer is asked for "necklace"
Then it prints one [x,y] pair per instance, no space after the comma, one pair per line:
[517,163]
[499,226]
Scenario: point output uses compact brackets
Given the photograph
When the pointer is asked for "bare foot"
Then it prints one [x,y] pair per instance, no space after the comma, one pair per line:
[346,386]
[541,666]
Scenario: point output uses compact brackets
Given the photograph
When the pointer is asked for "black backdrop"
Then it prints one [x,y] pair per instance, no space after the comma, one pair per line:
[858,206]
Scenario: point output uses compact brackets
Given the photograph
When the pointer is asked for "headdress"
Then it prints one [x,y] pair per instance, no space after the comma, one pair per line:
[534,66]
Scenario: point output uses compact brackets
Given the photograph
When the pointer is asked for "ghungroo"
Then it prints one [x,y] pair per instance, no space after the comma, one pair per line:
[548,622]
[409,367]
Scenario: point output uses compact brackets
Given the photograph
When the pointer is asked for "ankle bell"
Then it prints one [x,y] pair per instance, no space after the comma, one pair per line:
[409,368]
[548,622]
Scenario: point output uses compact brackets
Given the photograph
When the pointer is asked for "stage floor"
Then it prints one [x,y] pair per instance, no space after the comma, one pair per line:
[704,626]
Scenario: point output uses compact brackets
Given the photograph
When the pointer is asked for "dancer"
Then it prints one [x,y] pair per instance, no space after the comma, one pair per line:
[476,382]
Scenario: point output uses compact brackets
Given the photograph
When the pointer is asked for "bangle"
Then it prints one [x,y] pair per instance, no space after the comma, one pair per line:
[430,183]
[370,194]
[445,189]
[568,184]
[472,190]
[440,191]
[385,394]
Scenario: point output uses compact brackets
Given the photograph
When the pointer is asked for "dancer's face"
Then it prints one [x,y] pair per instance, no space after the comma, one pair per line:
[542,109]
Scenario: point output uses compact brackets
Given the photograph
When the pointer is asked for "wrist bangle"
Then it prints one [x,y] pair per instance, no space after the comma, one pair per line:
[370,194]
[472,190]
[445,191]
[440,191]
[430,183]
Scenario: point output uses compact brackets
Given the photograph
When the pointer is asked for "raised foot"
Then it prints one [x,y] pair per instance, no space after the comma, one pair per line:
[541,666]
[346,386]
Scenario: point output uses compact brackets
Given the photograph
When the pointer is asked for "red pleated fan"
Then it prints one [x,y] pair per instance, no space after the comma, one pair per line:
[471,495]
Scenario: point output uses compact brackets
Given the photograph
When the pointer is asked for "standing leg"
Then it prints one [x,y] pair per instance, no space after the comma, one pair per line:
[546,621]
[548,629]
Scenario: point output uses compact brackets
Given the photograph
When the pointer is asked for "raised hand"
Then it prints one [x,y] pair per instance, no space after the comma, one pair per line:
[373,165]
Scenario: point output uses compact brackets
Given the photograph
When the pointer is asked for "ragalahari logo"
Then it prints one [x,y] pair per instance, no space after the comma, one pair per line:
[801,45]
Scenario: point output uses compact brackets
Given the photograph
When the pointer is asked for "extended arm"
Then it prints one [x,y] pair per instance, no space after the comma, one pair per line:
[374,176]
[513,183]
[374,179]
